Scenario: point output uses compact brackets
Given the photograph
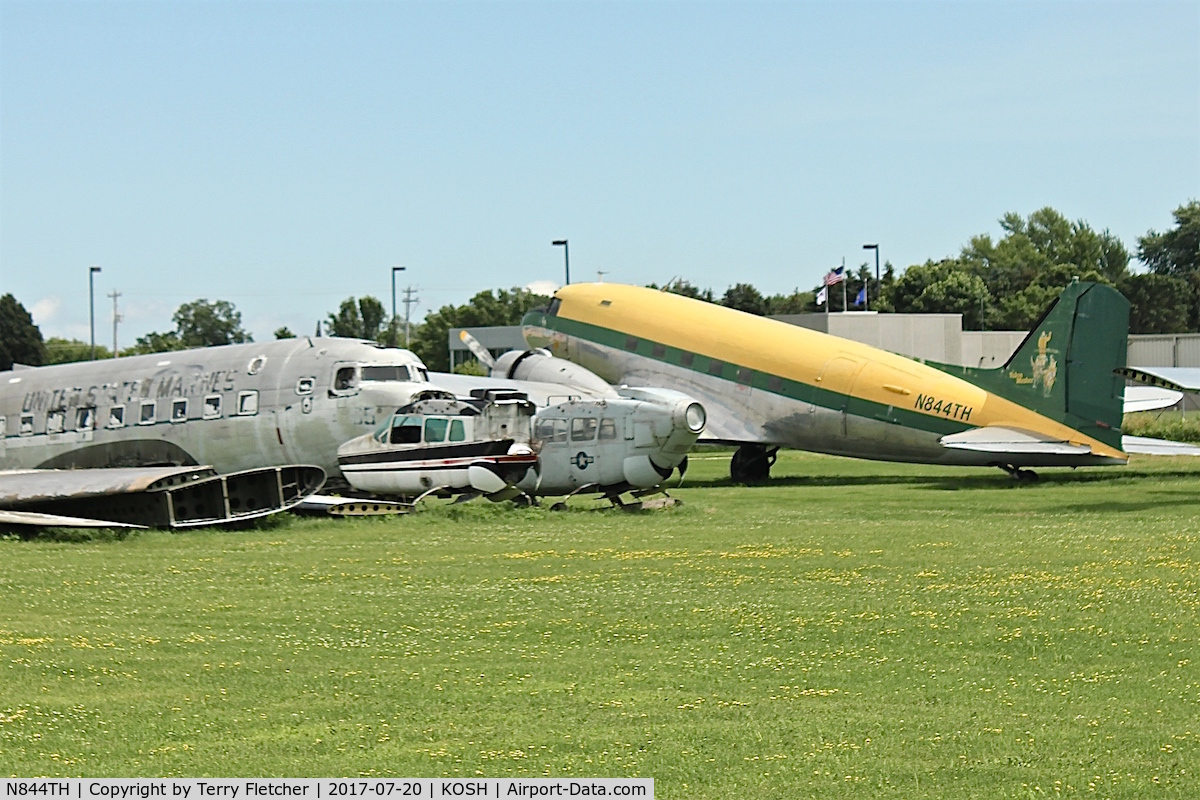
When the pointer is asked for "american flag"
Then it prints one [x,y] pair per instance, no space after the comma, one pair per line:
[835,276]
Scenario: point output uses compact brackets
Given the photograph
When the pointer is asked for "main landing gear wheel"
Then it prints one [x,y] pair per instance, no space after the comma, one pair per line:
[751,463]
[1020,475]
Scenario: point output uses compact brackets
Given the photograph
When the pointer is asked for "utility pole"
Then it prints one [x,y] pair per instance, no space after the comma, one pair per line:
[116,318]
[563,243]
[92,306]
[410,300]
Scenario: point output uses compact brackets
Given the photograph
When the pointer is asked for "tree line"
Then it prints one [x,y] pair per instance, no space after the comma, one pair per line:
[995,285]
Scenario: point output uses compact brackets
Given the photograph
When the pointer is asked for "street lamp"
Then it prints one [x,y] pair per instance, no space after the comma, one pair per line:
[566,257]
[878,285]
[92,306]
[393,323]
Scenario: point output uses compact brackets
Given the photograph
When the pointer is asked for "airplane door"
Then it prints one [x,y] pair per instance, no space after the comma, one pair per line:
[835,383]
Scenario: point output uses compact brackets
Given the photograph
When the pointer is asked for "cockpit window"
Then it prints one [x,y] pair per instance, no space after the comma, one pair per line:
[393,373]
[406,430]
[552,309]
[345,379]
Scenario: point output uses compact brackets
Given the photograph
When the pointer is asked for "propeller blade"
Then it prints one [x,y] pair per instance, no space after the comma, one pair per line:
[478,350]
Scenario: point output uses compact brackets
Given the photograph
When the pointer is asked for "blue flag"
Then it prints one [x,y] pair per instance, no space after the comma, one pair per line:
[862,296]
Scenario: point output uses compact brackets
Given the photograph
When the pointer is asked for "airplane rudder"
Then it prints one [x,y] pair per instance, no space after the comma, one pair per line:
[1097,348]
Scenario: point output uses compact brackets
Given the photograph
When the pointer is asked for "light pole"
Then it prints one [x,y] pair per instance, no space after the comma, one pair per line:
[566,257]
[392,325]
[878,285]
[92,306]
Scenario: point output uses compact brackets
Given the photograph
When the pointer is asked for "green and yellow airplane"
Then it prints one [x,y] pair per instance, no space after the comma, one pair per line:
[767,384]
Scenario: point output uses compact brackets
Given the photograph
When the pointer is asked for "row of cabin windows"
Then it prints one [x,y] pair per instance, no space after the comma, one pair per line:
[582,429]
[85,418]
[432,430]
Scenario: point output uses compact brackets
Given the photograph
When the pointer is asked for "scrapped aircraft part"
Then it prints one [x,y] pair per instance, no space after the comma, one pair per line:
[539,365]
[1179,379]
[653,504]
[478,444]
[641,472]
[1158,447]
[1149,398]
[328,505]
[35,519]
[751,463]
[160,497]
[1003,441]
[125,453]
[478,350]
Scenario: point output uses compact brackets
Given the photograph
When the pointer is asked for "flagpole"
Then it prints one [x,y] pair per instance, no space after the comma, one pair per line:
[843,284]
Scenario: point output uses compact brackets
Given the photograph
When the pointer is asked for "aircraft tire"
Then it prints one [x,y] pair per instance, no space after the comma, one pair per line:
[751,463]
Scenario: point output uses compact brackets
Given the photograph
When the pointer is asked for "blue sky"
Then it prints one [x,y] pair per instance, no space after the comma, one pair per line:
[286,155]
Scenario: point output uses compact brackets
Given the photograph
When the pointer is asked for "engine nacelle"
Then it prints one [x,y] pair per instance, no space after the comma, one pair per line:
[539,365]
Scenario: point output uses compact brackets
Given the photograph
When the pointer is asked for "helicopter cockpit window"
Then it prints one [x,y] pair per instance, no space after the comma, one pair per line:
[608,429]
[583,429]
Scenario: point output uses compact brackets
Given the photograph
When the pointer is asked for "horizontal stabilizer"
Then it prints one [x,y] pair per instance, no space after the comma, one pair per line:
[1179,379]
[1149,398]
[1011,441]
[1158,447]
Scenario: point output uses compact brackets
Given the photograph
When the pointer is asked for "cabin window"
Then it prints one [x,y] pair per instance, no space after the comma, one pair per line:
[775,383]
[659,350]
[583,429]
[256,364]
[392,373]
[179,410]
[608,429]
[406,430]
[686,359]
[304,386]
[55,421]
[3,427]
[212,407]
[631,343]
[715,367]
[745,376]
[345,380]
[458,431]
[85,419]
[116,417]
[435,429]
[26,425]
[147,415]
[247,405]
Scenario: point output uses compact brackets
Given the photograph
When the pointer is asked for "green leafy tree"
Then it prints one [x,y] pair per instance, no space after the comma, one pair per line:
[1158,303]
[797,302]
[154,342]
[1177,251]
[65,351]
[357,319]
[682,287]
[20,340]
[284,333]
[943,287]
[744,297]
[201,323]
[493,307]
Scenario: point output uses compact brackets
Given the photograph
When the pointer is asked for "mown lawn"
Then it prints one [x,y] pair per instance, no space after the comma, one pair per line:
[849,630]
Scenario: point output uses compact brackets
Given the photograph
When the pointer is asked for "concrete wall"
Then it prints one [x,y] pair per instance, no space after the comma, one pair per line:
[935,337]
[989,349]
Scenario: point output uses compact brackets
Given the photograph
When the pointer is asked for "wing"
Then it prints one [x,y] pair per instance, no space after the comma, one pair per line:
[1157,447]
[156,497]
[1149,398]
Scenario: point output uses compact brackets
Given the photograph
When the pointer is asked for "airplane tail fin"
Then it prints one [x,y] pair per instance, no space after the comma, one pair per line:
[1065,368]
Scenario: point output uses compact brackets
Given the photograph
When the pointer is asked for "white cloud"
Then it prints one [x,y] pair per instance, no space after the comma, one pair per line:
[542,287]
[43,310]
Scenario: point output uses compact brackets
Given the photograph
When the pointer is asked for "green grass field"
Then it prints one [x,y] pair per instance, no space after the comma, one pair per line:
[849,630]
